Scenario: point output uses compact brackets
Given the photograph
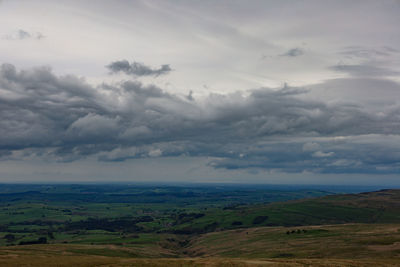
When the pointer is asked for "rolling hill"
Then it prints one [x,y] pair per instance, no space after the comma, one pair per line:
[334,230]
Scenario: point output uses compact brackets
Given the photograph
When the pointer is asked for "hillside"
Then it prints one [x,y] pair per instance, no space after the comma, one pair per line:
[329,245]
[372,207]
[334,230]
[344,241]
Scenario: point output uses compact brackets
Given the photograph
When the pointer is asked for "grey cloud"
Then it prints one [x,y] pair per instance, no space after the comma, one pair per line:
[352,154]
[137,69]
[375,95]
[311,146]
[64,118]
[294,52]
[360,52]
[22,35]
[365,70]
[321,154]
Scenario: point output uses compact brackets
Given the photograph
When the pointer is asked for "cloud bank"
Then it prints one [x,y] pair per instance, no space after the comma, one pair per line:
[64,118]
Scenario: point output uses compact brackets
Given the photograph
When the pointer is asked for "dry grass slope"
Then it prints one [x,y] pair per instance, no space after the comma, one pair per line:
[335,245]
[84,261]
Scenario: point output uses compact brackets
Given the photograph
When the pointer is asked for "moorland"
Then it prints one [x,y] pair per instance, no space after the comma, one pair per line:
[203,225]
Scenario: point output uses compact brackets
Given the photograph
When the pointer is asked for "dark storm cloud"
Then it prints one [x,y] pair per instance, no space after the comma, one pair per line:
[137,69]
[294,52]
[64,118]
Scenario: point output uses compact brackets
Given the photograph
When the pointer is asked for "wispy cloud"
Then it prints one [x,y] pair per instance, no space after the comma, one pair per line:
[23,35]
[368,53]
[365,70]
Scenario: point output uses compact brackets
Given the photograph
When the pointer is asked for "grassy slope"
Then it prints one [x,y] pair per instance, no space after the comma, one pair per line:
[77,261]
[374,207]
[334,245]
[347,241]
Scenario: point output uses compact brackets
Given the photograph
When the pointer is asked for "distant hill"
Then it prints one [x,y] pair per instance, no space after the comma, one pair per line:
[373,207]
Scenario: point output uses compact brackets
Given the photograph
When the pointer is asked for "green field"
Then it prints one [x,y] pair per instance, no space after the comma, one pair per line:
[98,214]
[232,226]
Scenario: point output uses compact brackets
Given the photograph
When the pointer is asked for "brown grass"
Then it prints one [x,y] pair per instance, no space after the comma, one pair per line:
[336,245]
[78,261]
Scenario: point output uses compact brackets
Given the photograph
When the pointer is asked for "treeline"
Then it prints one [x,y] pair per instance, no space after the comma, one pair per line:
[186,217]
[40,240]
[190,230]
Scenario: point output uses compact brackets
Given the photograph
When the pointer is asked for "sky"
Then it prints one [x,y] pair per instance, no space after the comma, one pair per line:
[279,92]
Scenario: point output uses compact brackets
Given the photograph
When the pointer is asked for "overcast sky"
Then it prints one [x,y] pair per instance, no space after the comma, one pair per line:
[285,92]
